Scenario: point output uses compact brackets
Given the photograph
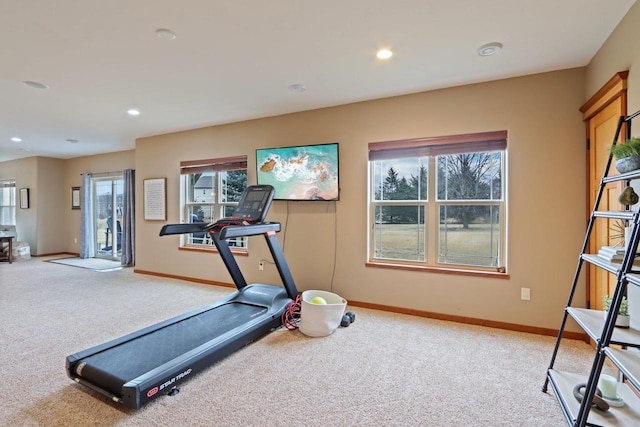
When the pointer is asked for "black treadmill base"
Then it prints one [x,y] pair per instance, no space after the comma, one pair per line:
[141,366]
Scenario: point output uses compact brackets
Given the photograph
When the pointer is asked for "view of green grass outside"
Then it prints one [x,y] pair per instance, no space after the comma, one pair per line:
[477,245]
[399,241]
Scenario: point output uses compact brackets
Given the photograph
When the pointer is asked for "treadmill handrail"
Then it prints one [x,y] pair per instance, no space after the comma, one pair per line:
[232,231]
[188,228]
[226,232]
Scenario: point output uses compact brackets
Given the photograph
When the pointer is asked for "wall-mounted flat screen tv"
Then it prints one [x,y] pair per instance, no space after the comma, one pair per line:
[305,172]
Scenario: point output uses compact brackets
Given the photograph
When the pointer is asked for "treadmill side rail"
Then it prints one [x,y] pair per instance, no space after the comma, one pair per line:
[232,231]
[158,380]
[194,227]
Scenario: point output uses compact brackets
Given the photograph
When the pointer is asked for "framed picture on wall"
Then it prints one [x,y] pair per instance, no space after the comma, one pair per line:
[24,198]
[155,199]
[75,197]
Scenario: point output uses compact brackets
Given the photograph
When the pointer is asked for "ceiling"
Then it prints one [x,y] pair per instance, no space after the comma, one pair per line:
[234,60]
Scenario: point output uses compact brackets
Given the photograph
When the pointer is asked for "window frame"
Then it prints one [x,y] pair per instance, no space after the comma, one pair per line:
[12,202]
[431,148]
[216,167]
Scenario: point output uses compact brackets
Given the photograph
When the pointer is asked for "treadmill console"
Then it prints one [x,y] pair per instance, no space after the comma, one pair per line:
[254,203]
[252,208]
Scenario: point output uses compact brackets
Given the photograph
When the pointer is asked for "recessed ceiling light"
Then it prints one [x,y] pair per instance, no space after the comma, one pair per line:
[72,141]
[16,139]
[489,49]
[35,85]
[133,112]
[297,88]
[384,54]
[165,34]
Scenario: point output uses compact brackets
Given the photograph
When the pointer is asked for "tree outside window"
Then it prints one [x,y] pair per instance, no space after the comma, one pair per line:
[212,190]
[469,230]
[461,226]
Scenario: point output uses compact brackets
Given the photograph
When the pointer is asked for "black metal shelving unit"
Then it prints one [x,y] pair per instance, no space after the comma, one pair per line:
[600,326]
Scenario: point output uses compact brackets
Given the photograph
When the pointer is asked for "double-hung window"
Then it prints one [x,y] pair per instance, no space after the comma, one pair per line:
[8,202]
[439,202]
[211,191]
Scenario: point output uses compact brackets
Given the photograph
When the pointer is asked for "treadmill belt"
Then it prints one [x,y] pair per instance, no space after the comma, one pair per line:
[118,365]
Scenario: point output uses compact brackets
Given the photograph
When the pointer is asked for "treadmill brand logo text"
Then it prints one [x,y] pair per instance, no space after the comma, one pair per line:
[176,378]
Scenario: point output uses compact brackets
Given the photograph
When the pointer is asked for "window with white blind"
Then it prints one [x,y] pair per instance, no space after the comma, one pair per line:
[439,202]
[8,202]
[211,190]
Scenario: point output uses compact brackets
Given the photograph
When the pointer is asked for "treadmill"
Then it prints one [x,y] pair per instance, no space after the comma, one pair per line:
[138,367]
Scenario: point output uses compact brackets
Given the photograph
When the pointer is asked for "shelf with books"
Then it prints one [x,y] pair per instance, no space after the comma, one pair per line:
[600,326]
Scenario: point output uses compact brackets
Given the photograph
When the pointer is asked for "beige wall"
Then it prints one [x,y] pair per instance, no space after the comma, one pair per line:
[103,163]
[39,225]
[619,53]
[25,173]
[50,185]
[546,190]
[50,226]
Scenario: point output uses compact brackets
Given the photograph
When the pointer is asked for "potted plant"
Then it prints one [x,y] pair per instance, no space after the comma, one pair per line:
[627,155]
[623,319]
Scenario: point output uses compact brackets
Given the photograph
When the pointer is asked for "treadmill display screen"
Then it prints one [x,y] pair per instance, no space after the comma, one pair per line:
[254,203]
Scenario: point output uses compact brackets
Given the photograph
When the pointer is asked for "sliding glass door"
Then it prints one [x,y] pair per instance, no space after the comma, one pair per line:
[108,193]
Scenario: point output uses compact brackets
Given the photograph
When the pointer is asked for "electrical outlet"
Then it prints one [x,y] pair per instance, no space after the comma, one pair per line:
[261,265]
[525,294]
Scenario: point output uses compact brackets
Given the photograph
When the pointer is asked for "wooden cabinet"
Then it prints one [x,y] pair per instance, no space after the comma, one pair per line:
[6,256]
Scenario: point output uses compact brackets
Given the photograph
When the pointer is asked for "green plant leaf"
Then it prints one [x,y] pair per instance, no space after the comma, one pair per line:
[628,148]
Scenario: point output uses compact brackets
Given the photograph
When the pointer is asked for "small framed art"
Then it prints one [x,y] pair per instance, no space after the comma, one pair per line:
[75,197]
[24,198]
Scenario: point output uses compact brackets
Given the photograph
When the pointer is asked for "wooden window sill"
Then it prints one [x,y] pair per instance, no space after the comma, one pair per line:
[442,270]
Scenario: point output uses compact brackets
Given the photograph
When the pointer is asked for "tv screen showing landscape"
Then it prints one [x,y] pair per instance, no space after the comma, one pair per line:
[306,172]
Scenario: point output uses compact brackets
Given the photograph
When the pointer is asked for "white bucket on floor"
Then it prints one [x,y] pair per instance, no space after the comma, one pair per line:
[320,320]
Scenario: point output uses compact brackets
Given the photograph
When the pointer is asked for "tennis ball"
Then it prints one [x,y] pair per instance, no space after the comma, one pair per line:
[318,300]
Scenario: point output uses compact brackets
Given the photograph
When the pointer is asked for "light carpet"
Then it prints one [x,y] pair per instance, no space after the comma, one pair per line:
[98,264]
[385,369]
